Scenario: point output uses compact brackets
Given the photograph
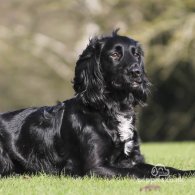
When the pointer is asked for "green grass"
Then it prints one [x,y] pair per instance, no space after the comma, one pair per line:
[179,155]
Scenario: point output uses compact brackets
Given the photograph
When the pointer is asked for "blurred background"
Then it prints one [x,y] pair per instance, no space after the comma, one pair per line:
[40,41]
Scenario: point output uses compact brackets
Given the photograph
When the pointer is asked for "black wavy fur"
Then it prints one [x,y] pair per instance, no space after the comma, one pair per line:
[93,133]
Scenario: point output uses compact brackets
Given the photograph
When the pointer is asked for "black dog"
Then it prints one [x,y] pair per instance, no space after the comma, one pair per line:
[93,133]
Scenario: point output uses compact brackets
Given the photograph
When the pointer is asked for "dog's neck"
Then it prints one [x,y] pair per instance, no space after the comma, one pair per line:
[120,101]
[121,111]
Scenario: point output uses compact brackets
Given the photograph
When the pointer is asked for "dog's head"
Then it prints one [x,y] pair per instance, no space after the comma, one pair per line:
[112,64]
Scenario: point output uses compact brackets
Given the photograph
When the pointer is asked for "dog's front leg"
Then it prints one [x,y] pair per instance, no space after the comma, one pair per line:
[114,172]
[160,171]
[140,171]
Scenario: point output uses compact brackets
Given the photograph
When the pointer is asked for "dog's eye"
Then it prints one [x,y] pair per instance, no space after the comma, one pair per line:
[137,55]
[115,55]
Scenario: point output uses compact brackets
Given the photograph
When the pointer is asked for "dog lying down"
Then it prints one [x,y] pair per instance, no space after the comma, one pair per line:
[93,133]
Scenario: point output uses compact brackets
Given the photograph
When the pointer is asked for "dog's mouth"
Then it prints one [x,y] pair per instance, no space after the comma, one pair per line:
[136,83]
[127,82]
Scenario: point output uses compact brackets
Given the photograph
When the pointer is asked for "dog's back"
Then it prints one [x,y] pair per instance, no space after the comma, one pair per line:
[27,139]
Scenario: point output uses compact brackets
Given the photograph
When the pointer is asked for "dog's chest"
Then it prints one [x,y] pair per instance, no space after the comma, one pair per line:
[126,131]
[125,127]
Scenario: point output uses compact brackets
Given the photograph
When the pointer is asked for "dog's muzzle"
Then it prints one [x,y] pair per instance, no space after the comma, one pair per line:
[135,72]
[136,75]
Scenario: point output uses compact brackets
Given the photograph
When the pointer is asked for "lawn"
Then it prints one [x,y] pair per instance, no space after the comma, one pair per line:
[179,155]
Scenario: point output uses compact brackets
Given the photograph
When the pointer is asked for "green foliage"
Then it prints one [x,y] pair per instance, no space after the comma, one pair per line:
[40,41]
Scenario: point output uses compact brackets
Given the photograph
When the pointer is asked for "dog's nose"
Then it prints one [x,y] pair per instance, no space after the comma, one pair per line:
[136,72]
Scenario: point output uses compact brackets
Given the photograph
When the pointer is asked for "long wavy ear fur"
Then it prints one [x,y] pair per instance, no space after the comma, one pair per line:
[88,80]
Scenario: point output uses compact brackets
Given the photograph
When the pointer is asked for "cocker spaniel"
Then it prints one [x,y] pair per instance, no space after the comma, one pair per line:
[93,133]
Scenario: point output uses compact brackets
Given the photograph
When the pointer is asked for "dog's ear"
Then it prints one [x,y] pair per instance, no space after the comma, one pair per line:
[88,80]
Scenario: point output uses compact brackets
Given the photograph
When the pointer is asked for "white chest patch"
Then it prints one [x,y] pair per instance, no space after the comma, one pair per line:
[126,131]
[125,127]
